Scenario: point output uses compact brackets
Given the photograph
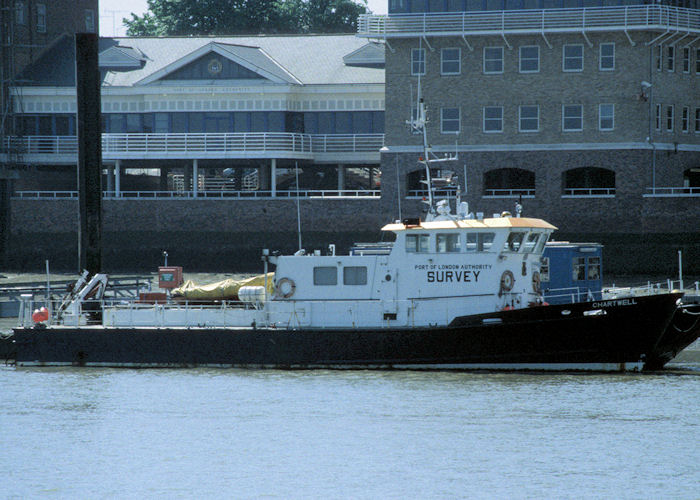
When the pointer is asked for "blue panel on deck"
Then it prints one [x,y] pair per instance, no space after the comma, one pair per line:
[572,272]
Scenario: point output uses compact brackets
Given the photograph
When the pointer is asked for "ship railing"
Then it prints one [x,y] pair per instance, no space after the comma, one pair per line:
[650,288]
[209,194]
[572,295]
[686,191]
[526,21]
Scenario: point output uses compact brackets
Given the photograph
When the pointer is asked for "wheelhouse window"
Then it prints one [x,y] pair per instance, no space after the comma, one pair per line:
[530,59]
[514,242]
[447,243]
[573,57]
[493,60]
[480,242]
[355,275]
[572,117]
[417,62]
[450,61]
[529,118]
[606,116]
[531,242]
[607,57]
[325,275]
[417,243]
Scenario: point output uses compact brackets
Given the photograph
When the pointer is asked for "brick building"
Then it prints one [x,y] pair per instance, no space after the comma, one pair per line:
[588,111]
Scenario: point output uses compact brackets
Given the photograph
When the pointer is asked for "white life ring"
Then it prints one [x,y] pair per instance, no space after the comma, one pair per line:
[285,288]
[507,281]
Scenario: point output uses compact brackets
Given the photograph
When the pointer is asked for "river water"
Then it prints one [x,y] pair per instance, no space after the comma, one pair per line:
[103,433]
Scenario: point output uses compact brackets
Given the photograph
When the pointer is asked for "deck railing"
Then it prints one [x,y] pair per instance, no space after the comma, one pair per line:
[623,18]
[180,143]
[218,194]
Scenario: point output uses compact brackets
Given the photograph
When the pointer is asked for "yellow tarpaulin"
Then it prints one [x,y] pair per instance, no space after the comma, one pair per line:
[222,290]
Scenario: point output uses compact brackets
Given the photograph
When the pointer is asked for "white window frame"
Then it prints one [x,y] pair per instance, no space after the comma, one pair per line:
[498,120]
[657,121]
[520,118]
[601,57]
[670,58]
[419,61]
[443,120]
[565,57]
[697,120]
[487,60]
[610,117]
[564,117]
[41,17]
[670,118]
[443,61]
[686,60]
[685,119]
[89,20]
[521,59]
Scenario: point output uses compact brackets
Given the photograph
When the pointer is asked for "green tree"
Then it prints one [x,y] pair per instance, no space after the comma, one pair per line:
[231,17]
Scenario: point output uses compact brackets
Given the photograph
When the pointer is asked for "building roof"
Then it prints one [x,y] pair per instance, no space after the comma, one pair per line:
[293,59]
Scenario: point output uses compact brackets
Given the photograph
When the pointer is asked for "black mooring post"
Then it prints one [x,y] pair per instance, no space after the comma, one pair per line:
[87,83]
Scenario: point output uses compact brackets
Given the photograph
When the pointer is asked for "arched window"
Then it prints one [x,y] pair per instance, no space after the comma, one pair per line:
[691,180]
[509,183]
[589,181]
[446,183]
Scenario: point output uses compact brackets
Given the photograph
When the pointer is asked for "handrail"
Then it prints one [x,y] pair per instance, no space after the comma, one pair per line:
[509,193]
[672,191]
[218,194]
[589,192]
[613,18]
[114,144]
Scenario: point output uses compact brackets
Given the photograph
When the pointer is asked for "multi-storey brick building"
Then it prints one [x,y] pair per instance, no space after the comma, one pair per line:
[589,111]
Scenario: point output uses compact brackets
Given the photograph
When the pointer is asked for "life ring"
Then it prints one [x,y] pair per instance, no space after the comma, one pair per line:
[507,281]
[285,288]
[536,282]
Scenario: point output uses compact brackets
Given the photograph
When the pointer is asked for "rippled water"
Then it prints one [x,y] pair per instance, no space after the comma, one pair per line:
[94,433]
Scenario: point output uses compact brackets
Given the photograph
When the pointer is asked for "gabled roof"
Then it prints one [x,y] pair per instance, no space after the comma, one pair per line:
[121,57]
[371,54]
[253,58]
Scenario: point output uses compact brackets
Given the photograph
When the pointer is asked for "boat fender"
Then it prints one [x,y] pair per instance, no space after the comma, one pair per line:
[285,288]
[507,281]
[536,282]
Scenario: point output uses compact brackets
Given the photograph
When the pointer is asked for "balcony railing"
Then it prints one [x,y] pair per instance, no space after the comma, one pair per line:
[509,193]
[628,18]
[589,192]
[114,145]
[669,192]
[184,195]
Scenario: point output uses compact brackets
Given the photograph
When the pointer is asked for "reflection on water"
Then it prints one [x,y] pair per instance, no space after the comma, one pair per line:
[340,434]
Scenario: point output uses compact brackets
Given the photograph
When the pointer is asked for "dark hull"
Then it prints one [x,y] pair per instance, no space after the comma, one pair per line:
[610,335]
[682,331]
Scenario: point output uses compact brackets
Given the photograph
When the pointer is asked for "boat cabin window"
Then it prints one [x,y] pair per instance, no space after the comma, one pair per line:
[594,268]
[544,269]
[417,243]
[531,242]
[579,268]
[354,275]
[514,242]
[326,275]
[479,242]
[447,243]
[543,241]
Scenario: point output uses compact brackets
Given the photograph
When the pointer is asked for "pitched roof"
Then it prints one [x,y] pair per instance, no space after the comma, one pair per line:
[300,59]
